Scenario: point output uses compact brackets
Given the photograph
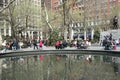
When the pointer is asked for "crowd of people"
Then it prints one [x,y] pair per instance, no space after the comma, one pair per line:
[16,44]
[79,44]
[60,44]
[109,43]
[13,45]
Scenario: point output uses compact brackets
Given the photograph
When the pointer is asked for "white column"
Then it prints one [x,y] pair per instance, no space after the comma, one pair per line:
[85,34]
[9,30]
[32,34]
[38,33]
[0,37]
[65,34]
[72,33]
[41,36]
[4,20]
[92,34]
[4,28]
[28,34]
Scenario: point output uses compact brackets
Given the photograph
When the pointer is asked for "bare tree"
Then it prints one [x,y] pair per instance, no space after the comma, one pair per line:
[19,16]
[7,5]
[47,18]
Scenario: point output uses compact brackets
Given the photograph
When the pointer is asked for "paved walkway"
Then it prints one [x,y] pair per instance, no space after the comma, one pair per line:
[94,47]
[97,47]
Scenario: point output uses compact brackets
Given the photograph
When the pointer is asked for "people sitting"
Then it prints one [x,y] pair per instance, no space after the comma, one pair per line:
[81,44]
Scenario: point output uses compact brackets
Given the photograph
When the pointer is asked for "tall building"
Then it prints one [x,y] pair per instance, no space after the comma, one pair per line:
[33,18]
[4,28]
[99,12]
[48,4]
[95,13]
[52,4]
[34,25]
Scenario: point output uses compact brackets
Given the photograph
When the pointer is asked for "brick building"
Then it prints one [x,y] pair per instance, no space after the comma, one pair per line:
[96,14]
[52,4]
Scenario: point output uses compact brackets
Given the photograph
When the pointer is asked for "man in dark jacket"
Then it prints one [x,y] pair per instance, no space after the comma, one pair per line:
[108,45]
[35,43]
[15,44]
[115,22]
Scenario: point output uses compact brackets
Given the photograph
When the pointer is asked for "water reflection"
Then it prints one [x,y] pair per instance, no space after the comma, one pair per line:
[60,67]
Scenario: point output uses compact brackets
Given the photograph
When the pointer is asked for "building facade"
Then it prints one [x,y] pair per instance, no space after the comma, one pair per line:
[31,18]
[96,14]
[93,13]
[52,4]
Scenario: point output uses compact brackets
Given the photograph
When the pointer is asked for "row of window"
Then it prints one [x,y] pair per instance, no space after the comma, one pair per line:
[2,31]
[90,23]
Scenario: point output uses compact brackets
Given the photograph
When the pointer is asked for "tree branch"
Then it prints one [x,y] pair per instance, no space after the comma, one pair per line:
[1,10]
[47,19]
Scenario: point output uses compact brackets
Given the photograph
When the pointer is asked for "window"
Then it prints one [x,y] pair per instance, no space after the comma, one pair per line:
[7,30]
[2,31]
[1,3]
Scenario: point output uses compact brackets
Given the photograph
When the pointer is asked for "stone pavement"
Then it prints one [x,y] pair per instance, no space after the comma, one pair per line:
[46,48]
[102,48]
[93,47]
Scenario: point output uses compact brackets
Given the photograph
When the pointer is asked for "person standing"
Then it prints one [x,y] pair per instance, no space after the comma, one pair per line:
[15,44]
[110,37]
[115,22]
[35,44]
[28,43]
[40,44]
[57,45]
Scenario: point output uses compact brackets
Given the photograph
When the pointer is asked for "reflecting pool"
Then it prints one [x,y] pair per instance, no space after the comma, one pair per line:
[60,67]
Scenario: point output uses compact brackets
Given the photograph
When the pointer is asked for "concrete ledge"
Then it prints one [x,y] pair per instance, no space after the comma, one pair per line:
[60,52]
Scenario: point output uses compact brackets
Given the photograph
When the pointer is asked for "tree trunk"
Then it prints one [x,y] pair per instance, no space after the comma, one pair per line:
[65,33]
[70,33]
